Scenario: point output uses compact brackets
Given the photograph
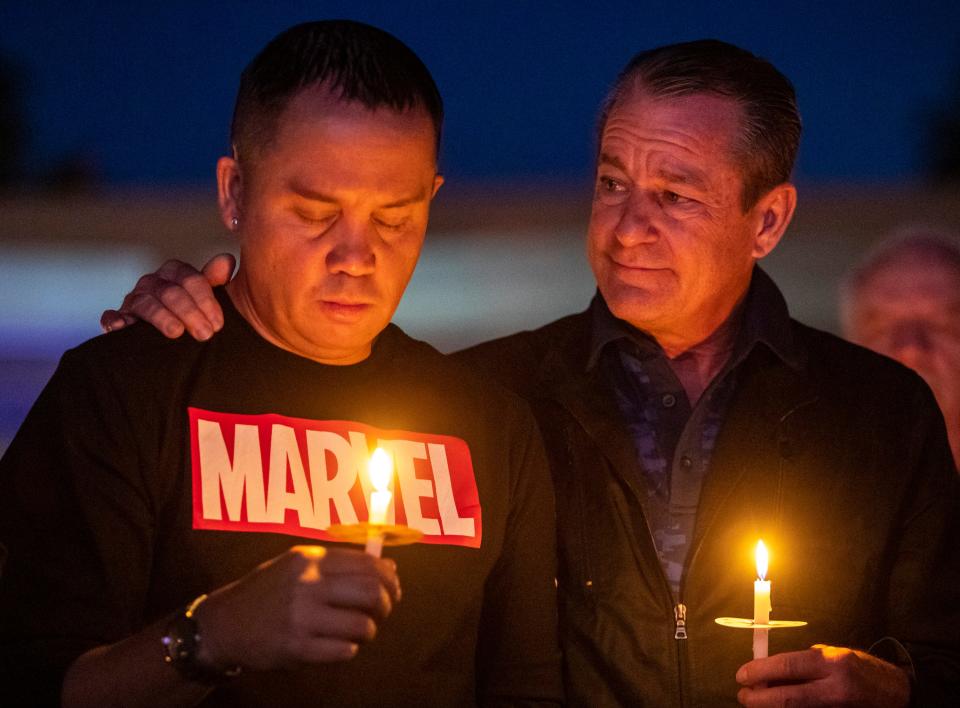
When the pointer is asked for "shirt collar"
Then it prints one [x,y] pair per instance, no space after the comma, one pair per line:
[766,320]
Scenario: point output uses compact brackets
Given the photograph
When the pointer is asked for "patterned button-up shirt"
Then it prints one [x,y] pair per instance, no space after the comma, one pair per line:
[673,440]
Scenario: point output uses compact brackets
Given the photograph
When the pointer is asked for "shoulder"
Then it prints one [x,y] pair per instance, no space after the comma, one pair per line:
[133,350]
[869,396]
[134,340]
[456,380]
[136,368]
[517,360]
[849,367]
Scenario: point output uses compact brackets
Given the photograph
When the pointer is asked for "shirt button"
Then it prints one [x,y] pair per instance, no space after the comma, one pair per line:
[669,400]
[686,462]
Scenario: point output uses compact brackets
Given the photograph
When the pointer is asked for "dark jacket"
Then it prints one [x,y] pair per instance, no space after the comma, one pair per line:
[840,464]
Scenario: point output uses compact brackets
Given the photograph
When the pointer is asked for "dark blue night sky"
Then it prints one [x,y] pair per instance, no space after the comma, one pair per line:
[145,89]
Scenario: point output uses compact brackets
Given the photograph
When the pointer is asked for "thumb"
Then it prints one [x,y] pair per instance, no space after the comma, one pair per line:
[219,269]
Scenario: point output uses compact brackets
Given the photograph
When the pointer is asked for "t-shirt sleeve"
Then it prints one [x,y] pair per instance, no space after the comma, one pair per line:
[518,650]
[75,525]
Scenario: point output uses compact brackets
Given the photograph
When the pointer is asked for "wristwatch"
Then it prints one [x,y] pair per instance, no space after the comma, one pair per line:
[181,642]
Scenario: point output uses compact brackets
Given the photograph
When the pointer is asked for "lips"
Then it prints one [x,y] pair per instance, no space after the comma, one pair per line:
[638,275]
[638,268]
[344,310]
[642,268]
[343,302]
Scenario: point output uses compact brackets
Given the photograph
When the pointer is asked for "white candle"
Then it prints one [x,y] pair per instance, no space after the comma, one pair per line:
[761,603]
[380,470]
[379,501]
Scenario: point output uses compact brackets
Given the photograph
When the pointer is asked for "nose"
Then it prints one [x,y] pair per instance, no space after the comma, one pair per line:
[910,341]
[636,223]
[352,248]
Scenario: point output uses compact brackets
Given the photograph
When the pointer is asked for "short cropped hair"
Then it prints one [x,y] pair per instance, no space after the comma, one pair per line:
[360,62]
[770,127]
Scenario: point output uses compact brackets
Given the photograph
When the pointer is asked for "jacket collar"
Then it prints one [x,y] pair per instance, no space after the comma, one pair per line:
[774,385]
[765,320]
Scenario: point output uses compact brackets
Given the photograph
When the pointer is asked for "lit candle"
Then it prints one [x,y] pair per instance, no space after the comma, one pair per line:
[761,603]
[380,469]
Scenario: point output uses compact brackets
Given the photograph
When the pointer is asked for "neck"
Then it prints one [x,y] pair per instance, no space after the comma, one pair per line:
[240,296]
[697,365]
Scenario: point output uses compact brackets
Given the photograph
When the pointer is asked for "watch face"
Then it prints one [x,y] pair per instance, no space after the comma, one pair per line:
[181,642]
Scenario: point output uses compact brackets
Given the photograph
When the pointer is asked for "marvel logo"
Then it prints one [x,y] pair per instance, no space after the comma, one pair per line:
[290,475]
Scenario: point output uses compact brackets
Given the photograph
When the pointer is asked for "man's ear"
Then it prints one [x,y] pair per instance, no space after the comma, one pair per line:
[229,191]
[437,181]
[774,210]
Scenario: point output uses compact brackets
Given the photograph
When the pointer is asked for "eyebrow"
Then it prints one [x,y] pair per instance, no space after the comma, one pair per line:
[691,177]
[612,160]
[315,196]
[312,195]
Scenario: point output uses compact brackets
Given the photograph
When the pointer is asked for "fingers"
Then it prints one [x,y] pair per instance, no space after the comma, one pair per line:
[805,695]
[188,294]
[787,667]
[219,269]
[319,650]
[338,623]
[360,592]
[341,597]
[112,320]
[823,676]
[148,307]
[310,604]
[345,561]
[176,298]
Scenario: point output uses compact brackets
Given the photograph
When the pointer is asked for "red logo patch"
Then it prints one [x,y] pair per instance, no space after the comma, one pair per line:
[271,473]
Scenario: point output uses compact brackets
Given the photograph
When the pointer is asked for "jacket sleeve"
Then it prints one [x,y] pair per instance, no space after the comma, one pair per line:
[74,522]
[518,655]
[923,607]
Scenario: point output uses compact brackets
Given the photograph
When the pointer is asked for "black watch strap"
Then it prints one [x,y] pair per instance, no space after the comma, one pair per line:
[181,642]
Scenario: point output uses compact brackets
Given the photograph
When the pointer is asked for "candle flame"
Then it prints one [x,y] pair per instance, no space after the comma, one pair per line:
[763,558]
[381,469]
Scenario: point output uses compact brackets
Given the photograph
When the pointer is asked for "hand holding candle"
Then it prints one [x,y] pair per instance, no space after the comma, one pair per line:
[381,471]
[761,622]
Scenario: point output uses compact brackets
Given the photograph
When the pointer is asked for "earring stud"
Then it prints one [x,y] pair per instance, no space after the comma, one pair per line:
[234,222]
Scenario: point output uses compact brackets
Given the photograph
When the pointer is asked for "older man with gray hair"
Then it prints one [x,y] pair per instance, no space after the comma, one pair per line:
[903,300]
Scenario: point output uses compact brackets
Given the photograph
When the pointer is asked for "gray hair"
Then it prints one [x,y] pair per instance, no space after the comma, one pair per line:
[911,242]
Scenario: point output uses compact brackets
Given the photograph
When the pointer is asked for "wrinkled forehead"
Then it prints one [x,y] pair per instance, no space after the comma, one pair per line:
[921,290]
[697,122]
[915,272]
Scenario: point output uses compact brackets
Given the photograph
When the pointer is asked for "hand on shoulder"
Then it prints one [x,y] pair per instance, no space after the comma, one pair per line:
[176,298]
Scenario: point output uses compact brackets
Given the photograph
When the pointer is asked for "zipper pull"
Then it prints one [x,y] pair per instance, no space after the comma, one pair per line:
[680,615]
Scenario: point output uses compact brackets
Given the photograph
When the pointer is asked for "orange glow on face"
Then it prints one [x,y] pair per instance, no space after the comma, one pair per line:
[763,559]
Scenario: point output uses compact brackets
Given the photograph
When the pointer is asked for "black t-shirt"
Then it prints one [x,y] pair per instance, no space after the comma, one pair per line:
[150,471]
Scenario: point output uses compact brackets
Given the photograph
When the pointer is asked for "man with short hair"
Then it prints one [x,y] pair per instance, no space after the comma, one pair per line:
[903,300]
[162,504]
[687,415]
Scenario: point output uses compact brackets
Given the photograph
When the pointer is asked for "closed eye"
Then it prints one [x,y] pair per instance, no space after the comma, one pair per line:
[391,225]
[316,219]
